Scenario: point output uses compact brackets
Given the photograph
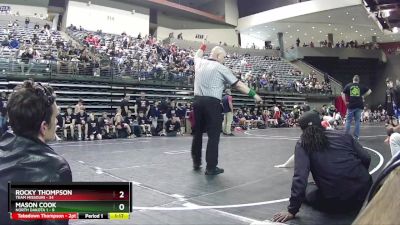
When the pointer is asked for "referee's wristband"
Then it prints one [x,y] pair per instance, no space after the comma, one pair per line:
[252,93]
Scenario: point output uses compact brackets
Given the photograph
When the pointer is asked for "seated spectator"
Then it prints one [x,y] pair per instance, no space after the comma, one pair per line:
[107,129]
[68,123]
[122,129]
[60,122]
[144,123]
[339,168]
[26,59]
[81,122]
[172,127]
[94,128]
[154,115]
[133,123]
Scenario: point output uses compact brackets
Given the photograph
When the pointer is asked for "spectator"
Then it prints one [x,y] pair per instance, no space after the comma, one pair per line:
[81,123]
[26,59]
[94,128]
[142,104]
[125,105]
[144,123]
[68,123]
[339,168]
[3,113]
[24,154]
[353,95]
[227,105]
[122,129]
[106,126]
[180,36]
[27,21]
[173,127]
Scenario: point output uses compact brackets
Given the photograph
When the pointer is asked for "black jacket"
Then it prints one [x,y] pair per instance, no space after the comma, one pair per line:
[340,171]
[28,160]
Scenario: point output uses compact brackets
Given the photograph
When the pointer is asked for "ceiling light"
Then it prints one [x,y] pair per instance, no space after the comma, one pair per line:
[372,29]
[298,30]
[374,33]
[356,31]
[360,35]
[347,13]
[395,30]
[291,36]
[351,27]
[288,26]
[305,34]
[353,18]
[329,24]
[341,33]
[320,31]
[329,16]
[273,28]
[313,27]
[286,32]
[336,29]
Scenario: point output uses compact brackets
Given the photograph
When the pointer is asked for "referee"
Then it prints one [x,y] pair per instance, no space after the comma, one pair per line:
[210,79]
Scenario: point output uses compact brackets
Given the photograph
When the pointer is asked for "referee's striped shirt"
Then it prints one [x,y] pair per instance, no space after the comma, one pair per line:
[211,77]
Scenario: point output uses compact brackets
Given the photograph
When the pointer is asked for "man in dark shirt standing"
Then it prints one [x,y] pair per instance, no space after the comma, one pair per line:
[142,104]
[338,164]
[125,105]
[389,101]
[353,95]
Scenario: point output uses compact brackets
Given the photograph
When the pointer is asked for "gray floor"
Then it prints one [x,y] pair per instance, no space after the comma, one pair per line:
[167,191]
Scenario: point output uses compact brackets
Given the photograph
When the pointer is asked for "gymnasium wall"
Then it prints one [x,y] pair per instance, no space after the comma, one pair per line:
[214,35]
[27,8]
[247,42]
[110,17]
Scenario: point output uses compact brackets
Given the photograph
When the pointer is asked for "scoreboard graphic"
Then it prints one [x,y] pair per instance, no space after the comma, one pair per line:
[78,200]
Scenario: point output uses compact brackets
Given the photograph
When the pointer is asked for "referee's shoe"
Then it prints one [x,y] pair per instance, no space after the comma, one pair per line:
[214,171]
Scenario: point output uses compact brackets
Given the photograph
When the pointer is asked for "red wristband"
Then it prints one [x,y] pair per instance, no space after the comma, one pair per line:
[203,47]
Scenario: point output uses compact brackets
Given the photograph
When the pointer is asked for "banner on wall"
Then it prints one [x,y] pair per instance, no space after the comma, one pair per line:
[5,8]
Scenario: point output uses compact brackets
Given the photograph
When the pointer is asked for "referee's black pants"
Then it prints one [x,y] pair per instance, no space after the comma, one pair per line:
[208,118]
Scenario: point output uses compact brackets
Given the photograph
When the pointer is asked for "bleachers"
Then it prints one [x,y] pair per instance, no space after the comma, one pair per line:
[101,96]
[103,86]
[257,65]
